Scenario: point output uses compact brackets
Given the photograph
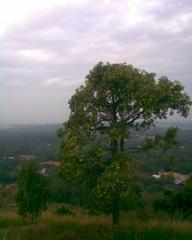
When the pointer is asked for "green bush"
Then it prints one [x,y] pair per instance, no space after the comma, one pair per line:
[63,211]
[179,200]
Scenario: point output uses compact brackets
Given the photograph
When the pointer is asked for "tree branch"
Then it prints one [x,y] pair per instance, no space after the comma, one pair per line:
[135,117]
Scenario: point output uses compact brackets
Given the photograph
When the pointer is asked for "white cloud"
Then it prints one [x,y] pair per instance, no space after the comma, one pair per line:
[13,12]
[61,81]
[39,55]
[53,81]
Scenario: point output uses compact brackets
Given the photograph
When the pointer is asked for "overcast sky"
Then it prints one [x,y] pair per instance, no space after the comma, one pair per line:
[47,48]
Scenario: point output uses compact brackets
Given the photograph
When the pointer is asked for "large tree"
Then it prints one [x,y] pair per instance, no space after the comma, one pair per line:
[114,99]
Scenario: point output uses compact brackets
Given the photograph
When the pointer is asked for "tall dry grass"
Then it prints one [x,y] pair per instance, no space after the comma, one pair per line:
[85,227]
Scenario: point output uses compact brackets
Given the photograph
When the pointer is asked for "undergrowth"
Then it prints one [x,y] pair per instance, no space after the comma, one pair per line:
[83,227]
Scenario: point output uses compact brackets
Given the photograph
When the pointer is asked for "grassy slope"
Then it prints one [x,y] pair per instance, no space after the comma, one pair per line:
[82,226]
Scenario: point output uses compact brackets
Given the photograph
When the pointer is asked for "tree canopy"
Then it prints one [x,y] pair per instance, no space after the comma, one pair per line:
[114,99]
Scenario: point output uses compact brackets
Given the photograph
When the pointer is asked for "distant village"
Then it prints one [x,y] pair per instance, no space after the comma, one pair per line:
[177,177]
[28,157]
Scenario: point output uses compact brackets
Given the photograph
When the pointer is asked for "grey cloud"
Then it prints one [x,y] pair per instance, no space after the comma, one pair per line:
[64,42]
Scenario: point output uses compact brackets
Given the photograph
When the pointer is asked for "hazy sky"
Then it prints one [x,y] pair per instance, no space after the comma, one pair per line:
[47,48]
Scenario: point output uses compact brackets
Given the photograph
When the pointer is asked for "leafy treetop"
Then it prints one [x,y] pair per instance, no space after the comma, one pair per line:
[114,99]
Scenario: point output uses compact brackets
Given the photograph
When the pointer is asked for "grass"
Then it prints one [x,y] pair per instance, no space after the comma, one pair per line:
[83,227]
[155,229]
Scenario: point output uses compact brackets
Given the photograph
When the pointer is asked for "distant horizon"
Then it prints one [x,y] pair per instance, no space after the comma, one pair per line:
[159,122]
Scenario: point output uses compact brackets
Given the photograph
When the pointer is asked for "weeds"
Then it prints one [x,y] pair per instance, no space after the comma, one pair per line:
[84,227]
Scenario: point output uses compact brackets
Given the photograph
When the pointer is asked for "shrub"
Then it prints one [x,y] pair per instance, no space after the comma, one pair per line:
[63,211]
[179,200]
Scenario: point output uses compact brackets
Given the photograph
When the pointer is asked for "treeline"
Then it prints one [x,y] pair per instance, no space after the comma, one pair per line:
[44,146]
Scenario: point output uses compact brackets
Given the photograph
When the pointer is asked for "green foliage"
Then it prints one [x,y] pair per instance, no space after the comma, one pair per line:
[114,99]
[117,180]
[164,146]
[188,186]
[63,211]
[32,191]
[168,141]
[179,200]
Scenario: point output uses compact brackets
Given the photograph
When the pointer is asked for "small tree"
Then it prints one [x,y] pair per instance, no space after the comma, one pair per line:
[33,192]
[163,149]
[115,99]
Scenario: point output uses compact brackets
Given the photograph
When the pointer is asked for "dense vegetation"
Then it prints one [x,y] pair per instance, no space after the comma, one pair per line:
[107,161]
[39,141]
[44,145]
[137,225]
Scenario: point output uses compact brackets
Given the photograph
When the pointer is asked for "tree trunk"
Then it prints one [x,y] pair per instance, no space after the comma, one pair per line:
[116,210]
[115,216]
[122,144]
[114,147]
[114,150]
